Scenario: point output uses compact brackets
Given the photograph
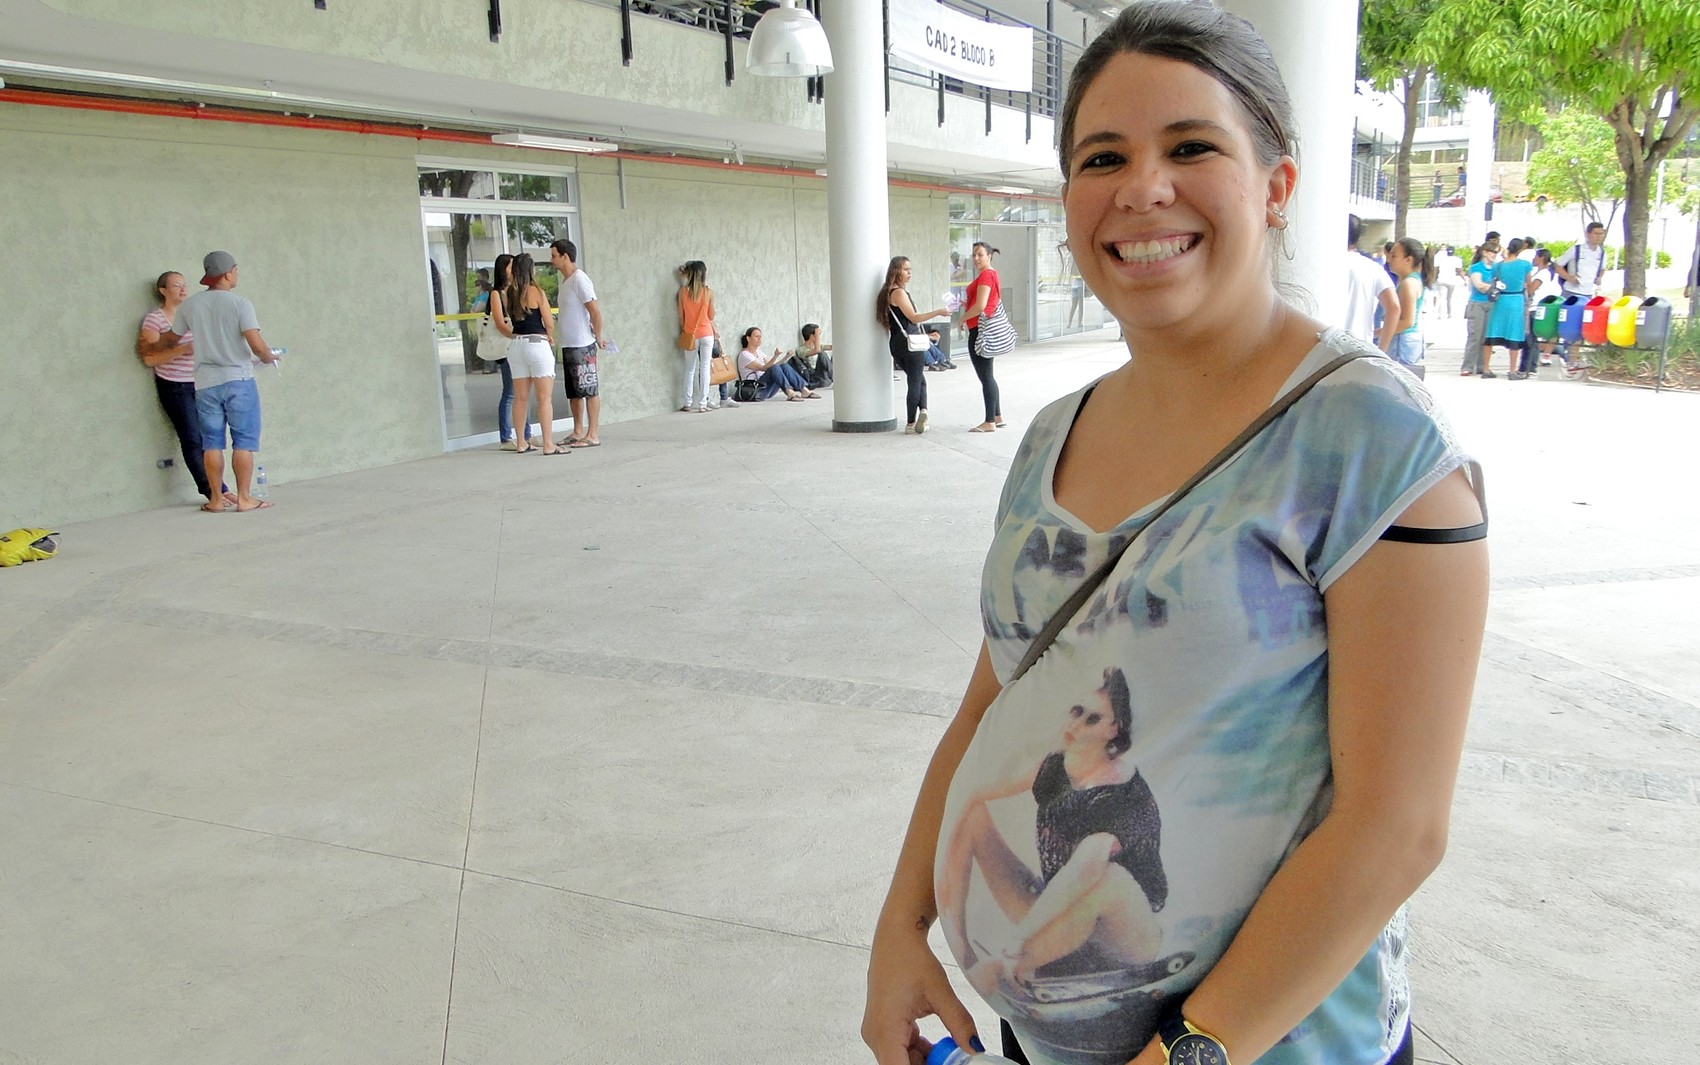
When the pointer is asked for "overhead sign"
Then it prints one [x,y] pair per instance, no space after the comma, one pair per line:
[934,37]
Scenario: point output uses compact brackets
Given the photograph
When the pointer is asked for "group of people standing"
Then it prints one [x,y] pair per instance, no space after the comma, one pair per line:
[797,372]
[910,345]
[1387,291]
[519,337]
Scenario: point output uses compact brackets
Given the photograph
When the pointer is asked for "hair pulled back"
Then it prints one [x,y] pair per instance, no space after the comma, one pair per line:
[1222,45]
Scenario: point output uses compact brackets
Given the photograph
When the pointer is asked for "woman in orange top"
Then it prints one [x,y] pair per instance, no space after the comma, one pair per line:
[696,317]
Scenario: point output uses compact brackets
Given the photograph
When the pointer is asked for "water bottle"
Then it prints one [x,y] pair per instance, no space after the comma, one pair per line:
[946,1052]
[277,358]
[261,490]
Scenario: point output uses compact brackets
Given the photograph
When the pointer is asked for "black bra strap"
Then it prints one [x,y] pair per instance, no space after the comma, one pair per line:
[1407,534]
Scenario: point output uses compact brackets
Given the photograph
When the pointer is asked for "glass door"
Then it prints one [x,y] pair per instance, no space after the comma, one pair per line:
[470,217]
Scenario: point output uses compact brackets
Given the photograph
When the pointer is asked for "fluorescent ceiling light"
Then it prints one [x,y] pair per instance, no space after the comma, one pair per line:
[788,43]
[1009,190]
[556,144]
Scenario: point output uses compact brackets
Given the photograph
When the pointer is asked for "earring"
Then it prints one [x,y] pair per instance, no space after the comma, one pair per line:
[1280,216]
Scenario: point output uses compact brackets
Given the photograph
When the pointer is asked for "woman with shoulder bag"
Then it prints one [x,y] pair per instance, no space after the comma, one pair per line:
[493,348]
[897,315]
[697,333]
[521,312]
[1232,610]
[984,301]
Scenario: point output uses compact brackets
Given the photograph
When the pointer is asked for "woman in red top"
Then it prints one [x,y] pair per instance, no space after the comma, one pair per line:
[983,296]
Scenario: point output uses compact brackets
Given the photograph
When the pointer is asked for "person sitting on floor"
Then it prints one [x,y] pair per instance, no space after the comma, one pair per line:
[773,372]
[812,360]
[935,358]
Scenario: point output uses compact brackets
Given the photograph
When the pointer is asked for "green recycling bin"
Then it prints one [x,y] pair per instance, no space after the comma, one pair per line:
[1546,317]
[1652,323]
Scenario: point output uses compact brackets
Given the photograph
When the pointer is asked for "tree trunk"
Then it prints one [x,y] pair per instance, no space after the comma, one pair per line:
[460,245]
[1414,82]
[1637,207]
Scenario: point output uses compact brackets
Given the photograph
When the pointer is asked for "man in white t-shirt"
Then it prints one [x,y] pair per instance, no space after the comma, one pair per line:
[1584,264]
[1449,274]
[579,332]
[1368,286]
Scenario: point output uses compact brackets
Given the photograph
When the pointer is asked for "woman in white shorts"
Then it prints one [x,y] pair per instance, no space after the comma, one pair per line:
[532,354]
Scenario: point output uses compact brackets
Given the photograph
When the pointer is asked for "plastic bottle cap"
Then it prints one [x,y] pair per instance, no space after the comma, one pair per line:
[942,1051]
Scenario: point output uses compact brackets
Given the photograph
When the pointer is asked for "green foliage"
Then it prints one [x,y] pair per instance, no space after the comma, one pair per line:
[1578,163]
[1389,32]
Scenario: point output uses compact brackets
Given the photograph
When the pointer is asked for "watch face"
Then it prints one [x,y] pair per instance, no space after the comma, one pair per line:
[1195,1049]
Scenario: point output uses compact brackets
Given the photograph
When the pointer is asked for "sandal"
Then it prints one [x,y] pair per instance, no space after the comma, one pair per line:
[525,450]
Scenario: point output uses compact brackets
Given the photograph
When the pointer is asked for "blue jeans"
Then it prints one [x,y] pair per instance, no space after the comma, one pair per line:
[933,356]
[783,377]
[235,404]
[505,409]
[177,399]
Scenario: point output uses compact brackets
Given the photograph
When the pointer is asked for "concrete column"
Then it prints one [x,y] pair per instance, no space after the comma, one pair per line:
[858,215]
[1479,115]
[1315,43]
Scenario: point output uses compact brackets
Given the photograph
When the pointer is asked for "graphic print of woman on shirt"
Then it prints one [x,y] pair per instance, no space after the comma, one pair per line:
[1097,832]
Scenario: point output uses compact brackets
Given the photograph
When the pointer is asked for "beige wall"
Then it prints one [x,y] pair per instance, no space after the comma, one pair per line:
[326,227]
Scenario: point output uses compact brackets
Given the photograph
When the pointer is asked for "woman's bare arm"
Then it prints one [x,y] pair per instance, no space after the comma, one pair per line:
[905,979]
[900,299]
[1404,632]
[151,354]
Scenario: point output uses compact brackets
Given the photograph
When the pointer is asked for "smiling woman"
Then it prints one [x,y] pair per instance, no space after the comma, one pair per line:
[1294,669]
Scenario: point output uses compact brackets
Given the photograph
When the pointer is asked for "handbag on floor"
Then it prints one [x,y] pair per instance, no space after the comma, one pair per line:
[997,336]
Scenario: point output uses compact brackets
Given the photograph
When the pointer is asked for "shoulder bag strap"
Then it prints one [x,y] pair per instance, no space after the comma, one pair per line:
[1066,612]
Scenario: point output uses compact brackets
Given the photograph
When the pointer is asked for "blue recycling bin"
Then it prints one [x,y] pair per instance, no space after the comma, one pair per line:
[1570,319]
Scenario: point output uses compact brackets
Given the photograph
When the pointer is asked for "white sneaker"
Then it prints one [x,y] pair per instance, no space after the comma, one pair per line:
[509,445]
[713,406]
[536,441]
[921,422]
[729,402]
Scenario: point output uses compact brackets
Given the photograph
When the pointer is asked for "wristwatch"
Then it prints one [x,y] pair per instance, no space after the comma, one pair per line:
[1186,1044]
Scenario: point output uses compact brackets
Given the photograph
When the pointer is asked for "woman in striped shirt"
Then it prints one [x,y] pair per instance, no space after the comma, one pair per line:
[174,377]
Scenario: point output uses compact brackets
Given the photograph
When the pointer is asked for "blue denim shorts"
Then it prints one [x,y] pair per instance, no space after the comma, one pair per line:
[236,404]
[1407,348]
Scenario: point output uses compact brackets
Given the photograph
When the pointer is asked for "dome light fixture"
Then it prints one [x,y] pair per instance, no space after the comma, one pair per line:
[788,43]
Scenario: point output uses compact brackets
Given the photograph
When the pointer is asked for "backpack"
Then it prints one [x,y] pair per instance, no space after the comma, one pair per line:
[27,545]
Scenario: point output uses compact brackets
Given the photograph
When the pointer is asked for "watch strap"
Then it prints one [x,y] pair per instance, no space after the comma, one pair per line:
[1175,1026]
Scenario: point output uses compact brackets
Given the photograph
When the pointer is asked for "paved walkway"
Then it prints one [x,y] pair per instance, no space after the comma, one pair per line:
[604,758]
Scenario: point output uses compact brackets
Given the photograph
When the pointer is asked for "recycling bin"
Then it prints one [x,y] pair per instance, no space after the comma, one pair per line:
[1546,318]
[1652,322]
[1594,320]
[1570,319]
[1620,321]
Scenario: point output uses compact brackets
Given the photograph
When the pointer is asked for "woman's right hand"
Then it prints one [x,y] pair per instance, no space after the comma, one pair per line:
[907,982]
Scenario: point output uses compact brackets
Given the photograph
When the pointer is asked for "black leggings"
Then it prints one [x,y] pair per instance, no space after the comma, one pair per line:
[914,367]
[177,399]
[983,370]
[1012,1049]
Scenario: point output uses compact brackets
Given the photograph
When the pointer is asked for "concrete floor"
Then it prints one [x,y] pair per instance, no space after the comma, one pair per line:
[605,758]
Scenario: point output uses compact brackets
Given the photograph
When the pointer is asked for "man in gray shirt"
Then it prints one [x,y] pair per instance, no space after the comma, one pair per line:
[227,341]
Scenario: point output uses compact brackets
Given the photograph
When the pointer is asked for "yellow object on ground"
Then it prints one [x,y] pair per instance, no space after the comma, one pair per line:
[27,545]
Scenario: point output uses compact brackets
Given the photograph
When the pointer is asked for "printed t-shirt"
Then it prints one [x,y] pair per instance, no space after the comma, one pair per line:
[988,277]
[573,326]
[1365,282]
[182,368]
[1215,621]
[218,318]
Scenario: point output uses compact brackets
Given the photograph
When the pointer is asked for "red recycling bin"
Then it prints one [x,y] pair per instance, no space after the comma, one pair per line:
[1594,315]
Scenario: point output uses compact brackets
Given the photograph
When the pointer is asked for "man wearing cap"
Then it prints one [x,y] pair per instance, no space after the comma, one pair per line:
[227,341]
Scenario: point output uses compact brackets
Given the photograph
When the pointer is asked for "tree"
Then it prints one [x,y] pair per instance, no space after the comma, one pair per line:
[457,184]
[1578,164]
[1633,63]
[1389,58]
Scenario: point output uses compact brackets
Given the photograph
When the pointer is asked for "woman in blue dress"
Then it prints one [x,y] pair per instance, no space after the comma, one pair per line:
[1513,280]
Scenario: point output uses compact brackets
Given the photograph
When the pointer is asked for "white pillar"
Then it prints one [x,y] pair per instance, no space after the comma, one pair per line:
[1479,117]
[1315,43]
[858,215]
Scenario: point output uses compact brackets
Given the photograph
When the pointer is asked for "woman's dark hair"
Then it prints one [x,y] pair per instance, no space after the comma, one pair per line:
[1421,255]
[520,278]
[500,272]
[695,274]
[158,296]
[1224,46]
[745,339]
[882,305]
[1121,704]
[1481,250]
[810,330]
[990,251]
[1515,247]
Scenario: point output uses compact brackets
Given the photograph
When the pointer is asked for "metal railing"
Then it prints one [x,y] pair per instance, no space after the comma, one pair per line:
[733,20]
